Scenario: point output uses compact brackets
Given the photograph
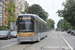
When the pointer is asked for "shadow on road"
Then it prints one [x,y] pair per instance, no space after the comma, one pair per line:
[26,43]
[2,39]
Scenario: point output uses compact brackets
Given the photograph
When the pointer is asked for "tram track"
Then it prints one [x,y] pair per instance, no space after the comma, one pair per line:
[55,42]
[24,46]
[49,38]
[29,45]
[19,46]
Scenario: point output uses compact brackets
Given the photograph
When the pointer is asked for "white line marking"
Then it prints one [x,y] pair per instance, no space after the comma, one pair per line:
[54,37]
[67,42]
[66,47]
[9,45]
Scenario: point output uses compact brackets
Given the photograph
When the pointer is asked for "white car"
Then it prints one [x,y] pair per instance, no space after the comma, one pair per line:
[13,34]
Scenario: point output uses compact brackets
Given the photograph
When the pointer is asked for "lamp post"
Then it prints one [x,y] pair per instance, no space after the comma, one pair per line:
[2,13]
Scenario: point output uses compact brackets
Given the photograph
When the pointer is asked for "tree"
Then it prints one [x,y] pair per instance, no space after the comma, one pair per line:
[68,12]
[63,24]
[50,23]
[37,9]
[60,13]
[25,11]
[10,8]
[60,24]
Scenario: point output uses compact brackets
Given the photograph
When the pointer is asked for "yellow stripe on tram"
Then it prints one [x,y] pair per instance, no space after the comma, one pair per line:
[25,34]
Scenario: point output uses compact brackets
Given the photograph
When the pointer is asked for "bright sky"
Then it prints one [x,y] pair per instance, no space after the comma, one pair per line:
[50,6]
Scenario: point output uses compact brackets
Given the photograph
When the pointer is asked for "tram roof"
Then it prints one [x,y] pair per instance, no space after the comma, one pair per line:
[35,16]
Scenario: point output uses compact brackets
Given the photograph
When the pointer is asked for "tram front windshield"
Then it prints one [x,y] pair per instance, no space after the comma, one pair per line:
[26,26]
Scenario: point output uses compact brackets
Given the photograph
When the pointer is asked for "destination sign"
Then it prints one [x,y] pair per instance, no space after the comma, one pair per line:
[25,18]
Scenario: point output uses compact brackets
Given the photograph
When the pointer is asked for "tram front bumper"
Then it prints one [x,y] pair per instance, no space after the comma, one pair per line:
[26,39]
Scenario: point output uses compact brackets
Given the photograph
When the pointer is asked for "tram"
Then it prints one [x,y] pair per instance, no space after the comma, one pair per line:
[30,27]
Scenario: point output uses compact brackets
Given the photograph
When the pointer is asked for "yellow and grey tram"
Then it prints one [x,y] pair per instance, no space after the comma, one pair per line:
[30,27]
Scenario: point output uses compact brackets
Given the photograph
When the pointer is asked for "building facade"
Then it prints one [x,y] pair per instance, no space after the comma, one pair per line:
[26,4]
[20,4]
[0,12]
[2,5]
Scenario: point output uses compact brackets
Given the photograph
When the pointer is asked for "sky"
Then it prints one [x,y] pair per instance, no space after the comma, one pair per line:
[50,6]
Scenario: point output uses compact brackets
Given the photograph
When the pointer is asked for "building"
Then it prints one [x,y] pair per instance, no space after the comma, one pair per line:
[2,5]
[26,4]
[0,13]
[20,4]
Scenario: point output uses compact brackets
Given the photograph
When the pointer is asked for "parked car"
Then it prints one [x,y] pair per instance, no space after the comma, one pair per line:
[69,31]
[5,34]
[72,32]
[62,29]
[13,34]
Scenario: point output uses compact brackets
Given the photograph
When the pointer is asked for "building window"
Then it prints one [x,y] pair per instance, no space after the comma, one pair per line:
[0,20]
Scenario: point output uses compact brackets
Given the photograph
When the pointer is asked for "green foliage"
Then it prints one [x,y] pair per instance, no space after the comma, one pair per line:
[63,24]
[59,13]
[50,23]
[36,9]
[60,24]
[4,28]
[10,8]
[68,12]
[25,11]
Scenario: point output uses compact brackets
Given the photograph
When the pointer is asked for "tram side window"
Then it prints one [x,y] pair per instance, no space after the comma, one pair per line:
[36,27]
[42,27]
[39,27]
[45,28]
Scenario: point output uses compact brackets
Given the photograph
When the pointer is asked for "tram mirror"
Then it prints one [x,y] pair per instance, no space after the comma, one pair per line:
[32,18]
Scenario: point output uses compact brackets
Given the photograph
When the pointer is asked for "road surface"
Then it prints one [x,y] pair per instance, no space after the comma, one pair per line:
[56,40]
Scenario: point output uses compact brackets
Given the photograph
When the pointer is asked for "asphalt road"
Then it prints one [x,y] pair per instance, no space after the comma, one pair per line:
[4,43]
[54,41]
[69,38]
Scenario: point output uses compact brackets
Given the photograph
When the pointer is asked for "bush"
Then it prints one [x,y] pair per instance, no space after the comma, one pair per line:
[4,28]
